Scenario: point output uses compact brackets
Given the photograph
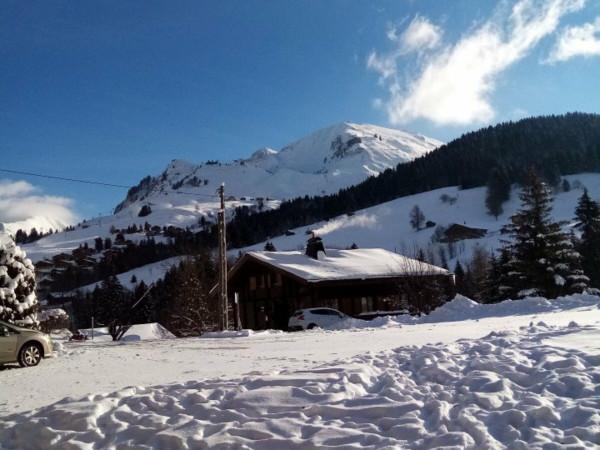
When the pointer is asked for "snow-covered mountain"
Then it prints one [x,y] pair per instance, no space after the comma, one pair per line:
[321,163]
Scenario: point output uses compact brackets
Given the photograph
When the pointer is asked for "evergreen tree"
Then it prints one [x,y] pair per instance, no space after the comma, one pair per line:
[588,215]
[188,307]
[498,191]
[269,247]
[21,237]
[145,211]
[17,283]
[479,268]
[498,288]
[110,301]
[145,306]
[492,279]
[33,235]
[543,260]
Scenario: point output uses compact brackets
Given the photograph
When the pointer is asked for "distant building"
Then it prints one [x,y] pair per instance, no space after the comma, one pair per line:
[270,286]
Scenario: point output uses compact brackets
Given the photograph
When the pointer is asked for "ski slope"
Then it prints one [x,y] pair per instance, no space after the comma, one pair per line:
[387,225]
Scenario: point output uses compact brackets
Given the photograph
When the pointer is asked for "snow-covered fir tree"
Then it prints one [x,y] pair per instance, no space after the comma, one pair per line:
[17,283]
[499,277]
[543,260]
[588,216]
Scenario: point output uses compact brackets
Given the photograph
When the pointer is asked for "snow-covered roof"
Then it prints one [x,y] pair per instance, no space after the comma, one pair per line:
[353,264]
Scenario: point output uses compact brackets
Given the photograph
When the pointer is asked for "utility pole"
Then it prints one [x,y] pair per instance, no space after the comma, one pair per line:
[223,302]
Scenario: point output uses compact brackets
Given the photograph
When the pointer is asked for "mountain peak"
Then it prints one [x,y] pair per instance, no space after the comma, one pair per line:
[261,154]
[323,162]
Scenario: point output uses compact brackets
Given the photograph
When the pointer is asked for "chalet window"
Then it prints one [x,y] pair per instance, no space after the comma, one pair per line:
[268,280]
[261,282]
[366,304]
[278,280]
[332,303]
[252,283]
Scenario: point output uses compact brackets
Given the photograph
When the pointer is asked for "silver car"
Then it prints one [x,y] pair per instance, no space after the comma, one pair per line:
[22,345]
[307,319]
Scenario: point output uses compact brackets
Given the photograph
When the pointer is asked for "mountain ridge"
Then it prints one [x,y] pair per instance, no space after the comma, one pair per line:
[322,162]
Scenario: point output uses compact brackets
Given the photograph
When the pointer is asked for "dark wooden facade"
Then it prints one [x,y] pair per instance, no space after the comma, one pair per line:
[269,295]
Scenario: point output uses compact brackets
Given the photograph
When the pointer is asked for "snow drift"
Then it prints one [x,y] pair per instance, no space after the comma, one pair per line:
[139,332]
[462,308]
[507,390]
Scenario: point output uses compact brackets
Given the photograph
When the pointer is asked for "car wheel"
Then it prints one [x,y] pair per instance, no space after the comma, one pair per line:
[312,326]
[30,355]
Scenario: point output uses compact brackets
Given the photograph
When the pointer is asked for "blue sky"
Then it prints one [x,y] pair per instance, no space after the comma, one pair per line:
[113,90]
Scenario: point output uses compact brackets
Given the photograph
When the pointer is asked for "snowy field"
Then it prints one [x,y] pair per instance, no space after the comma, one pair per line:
[514,375]
[387,225]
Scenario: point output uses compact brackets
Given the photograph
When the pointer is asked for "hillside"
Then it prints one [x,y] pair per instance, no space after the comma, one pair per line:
[387,225]
[553,146]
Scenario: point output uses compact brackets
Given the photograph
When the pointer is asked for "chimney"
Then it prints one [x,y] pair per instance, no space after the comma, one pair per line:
[314,245]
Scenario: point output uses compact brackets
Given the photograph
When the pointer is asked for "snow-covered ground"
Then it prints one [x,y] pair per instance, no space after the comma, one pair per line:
[387,225]
[520,375]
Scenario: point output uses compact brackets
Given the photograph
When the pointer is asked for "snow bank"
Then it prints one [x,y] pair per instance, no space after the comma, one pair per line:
[239,333]
[462,308]
[504,390]
[377,322]
[139,332]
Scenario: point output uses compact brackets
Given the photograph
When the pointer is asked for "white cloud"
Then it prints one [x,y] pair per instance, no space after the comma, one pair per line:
[22,205]
[575,41]
[454,82]
[420,35]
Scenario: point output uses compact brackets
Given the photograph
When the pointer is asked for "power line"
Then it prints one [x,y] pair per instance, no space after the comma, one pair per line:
[75,180]
[93,182]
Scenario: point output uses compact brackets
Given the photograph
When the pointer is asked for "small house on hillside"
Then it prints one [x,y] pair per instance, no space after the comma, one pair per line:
[270,286]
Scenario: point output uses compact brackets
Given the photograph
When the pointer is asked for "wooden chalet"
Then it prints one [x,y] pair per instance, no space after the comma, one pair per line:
[270,286]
